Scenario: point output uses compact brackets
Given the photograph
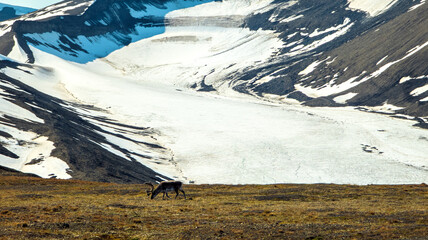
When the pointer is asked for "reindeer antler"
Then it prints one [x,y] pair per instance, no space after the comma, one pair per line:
[152,188]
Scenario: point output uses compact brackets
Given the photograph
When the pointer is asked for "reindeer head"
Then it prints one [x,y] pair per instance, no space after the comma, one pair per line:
[150,192]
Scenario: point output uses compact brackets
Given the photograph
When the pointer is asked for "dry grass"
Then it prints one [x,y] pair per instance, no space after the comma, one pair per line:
[32,208]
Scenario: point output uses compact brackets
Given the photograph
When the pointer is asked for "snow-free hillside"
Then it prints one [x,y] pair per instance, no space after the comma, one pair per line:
[220,88]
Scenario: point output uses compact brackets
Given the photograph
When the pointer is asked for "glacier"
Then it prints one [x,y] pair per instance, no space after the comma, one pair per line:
[236,139]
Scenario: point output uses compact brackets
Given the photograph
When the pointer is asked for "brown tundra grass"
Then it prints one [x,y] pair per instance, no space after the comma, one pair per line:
[33,208]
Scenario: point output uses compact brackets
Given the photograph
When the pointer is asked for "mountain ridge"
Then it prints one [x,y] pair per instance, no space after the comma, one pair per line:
[8,11]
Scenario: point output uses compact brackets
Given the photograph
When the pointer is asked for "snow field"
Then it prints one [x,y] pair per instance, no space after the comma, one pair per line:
[224,8]
[198,51]
[156,159]
[27,146]
[34,153]
[217,139]
[49,166]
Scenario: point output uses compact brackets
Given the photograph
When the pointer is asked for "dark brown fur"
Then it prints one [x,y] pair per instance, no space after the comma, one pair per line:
[165,187]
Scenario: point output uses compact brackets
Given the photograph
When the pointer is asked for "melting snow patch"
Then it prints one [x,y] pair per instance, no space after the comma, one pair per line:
[408,78]
[405,79]
[9,85]
[417,5]
[340,31]
[10,109]
[330,62]
[291,18]
[34,154]
[344,98]
[113,150]
[310,68]
[416,49]
[39,161]
[264,80]
[388,65]
[380,61]
[385,108]
[35,106]
[420,90]
[329,88]
[291,35]
[335,28]
[372,7]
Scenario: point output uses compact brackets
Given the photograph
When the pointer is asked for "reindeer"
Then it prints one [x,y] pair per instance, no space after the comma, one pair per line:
[165,187]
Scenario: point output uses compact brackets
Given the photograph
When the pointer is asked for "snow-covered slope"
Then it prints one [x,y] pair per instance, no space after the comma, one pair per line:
[215,139]
[213,81]
[52,137]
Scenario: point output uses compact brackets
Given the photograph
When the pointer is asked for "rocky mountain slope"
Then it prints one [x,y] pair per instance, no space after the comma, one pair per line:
[101,60]
[39,132]
[9,11]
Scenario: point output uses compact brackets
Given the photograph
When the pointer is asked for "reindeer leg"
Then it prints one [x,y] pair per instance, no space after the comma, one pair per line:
[183,193]
[167,194]
[176,191]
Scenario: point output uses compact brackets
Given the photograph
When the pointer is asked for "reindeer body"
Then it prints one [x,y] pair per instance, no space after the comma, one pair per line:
[165,187]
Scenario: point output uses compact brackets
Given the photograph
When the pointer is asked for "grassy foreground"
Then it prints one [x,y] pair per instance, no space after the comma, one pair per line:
[32,208]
